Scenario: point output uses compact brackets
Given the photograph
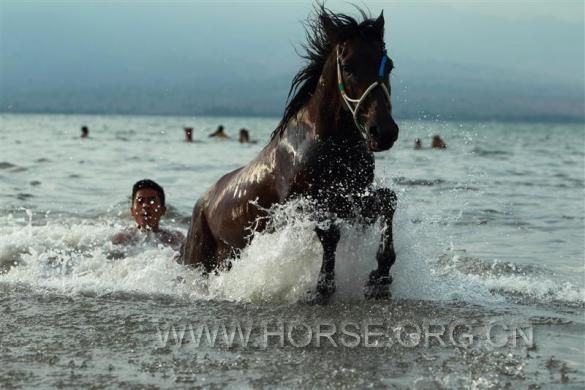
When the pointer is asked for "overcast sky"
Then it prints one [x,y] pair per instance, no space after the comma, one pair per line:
[541,36]
[75,43]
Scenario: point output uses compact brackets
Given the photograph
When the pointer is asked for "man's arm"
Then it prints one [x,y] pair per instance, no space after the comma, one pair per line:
[121,238]
[173,238]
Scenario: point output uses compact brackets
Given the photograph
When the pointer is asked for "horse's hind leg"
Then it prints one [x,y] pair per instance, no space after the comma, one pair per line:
[329,238]
[381,204]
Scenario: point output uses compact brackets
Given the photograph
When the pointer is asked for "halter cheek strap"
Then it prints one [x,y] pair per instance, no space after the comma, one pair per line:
[354,104]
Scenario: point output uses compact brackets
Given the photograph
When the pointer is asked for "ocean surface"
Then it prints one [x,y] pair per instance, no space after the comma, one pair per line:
[489,233]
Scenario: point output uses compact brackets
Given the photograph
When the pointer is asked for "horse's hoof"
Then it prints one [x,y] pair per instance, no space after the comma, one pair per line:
[377,292]
[378,287]
[316,298]
[325,289]
[326,284]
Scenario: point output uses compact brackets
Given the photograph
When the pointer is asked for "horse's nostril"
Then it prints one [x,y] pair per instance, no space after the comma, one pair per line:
[373,131]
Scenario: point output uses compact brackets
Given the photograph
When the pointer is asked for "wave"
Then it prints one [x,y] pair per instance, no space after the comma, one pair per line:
[418,182]
[280,265]
[5,165]
[444,184]
[526,284]
[478,151]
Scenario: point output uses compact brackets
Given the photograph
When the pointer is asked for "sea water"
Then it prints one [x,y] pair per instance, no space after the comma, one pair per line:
[490,229]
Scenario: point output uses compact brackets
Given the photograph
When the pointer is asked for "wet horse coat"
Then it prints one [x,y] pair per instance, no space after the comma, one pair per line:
[322,149]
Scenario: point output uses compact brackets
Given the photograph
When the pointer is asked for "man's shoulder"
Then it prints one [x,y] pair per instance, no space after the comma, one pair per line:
[171,236]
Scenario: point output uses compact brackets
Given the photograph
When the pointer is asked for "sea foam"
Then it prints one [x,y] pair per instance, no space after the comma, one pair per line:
[280,264]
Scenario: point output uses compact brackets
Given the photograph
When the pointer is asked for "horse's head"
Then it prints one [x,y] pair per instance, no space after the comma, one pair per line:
[363,74]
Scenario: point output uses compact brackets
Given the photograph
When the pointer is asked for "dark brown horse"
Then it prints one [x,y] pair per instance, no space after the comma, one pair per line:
[322,149]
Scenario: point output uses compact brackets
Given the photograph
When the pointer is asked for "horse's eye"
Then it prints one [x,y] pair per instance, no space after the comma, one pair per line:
[347,68]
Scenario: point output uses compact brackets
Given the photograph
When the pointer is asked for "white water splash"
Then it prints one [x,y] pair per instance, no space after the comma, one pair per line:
[279,266]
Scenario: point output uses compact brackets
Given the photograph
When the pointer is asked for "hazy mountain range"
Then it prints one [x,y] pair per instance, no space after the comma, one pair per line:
[201,58]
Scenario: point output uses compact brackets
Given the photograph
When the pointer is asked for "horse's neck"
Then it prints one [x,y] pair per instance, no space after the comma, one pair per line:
[324,117]
[330,118]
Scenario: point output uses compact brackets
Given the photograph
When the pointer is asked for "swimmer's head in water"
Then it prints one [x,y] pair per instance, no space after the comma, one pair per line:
[219,133]
[84,132]
[148,204]
[188,134]
[244,136]
[438,143]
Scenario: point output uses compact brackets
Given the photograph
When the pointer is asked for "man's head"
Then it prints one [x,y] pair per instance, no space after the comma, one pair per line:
[84,132]
[219,133]
[188,134]
[244,136]
[438,143]
[148,204]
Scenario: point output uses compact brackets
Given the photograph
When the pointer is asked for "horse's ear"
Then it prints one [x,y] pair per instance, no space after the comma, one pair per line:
[328,27]
[379,24]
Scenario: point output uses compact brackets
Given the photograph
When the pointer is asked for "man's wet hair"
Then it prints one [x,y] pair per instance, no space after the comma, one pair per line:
[147,183]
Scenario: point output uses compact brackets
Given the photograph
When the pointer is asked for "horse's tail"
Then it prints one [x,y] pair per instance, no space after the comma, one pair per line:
[199,248]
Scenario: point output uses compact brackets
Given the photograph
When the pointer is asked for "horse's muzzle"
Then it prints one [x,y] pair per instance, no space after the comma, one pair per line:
[382,138]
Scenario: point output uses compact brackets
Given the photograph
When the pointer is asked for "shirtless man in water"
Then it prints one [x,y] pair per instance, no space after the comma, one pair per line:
[148,206]
[219,133]
[438,143]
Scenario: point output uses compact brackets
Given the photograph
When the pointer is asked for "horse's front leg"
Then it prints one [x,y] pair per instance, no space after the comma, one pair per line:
[381,204]
[329,238]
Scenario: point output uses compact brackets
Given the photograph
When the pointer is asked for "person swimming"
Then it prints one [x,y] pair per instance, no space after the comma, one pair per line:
[438,143]
[244,136]
[148,207]
[188,134]
[219,133]
[417,144]
[84,132]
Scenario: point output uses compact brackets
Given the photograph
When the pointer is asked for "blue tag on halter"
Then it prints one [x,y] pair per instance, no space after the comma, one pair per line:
[383,65]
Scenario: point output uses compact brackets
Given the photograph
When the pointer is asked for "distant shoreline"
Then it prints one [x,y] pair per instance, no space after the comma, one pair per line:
[422,117]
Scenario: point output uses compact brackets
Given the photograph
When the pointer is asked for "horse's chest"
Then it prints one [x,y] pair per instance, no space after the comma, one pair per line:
[338,170]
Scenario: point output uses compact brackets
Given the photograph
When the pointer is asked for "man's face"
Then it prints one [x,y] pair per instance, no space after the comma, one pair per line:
[147,208]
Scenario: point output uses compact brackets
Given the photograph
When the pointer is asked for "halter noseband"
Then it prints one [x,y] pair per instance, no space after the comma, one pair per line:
[349,102]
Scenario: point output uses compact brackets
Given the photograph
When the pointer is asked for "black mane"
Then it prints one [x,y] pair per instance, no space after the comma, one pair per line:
[319,29]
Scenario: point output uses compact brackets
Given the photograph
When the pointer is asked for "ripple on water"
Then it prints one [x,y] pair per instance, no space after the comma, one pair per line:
[24,196]
[418,182]
[5,165]
[478,151]
[524,284]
